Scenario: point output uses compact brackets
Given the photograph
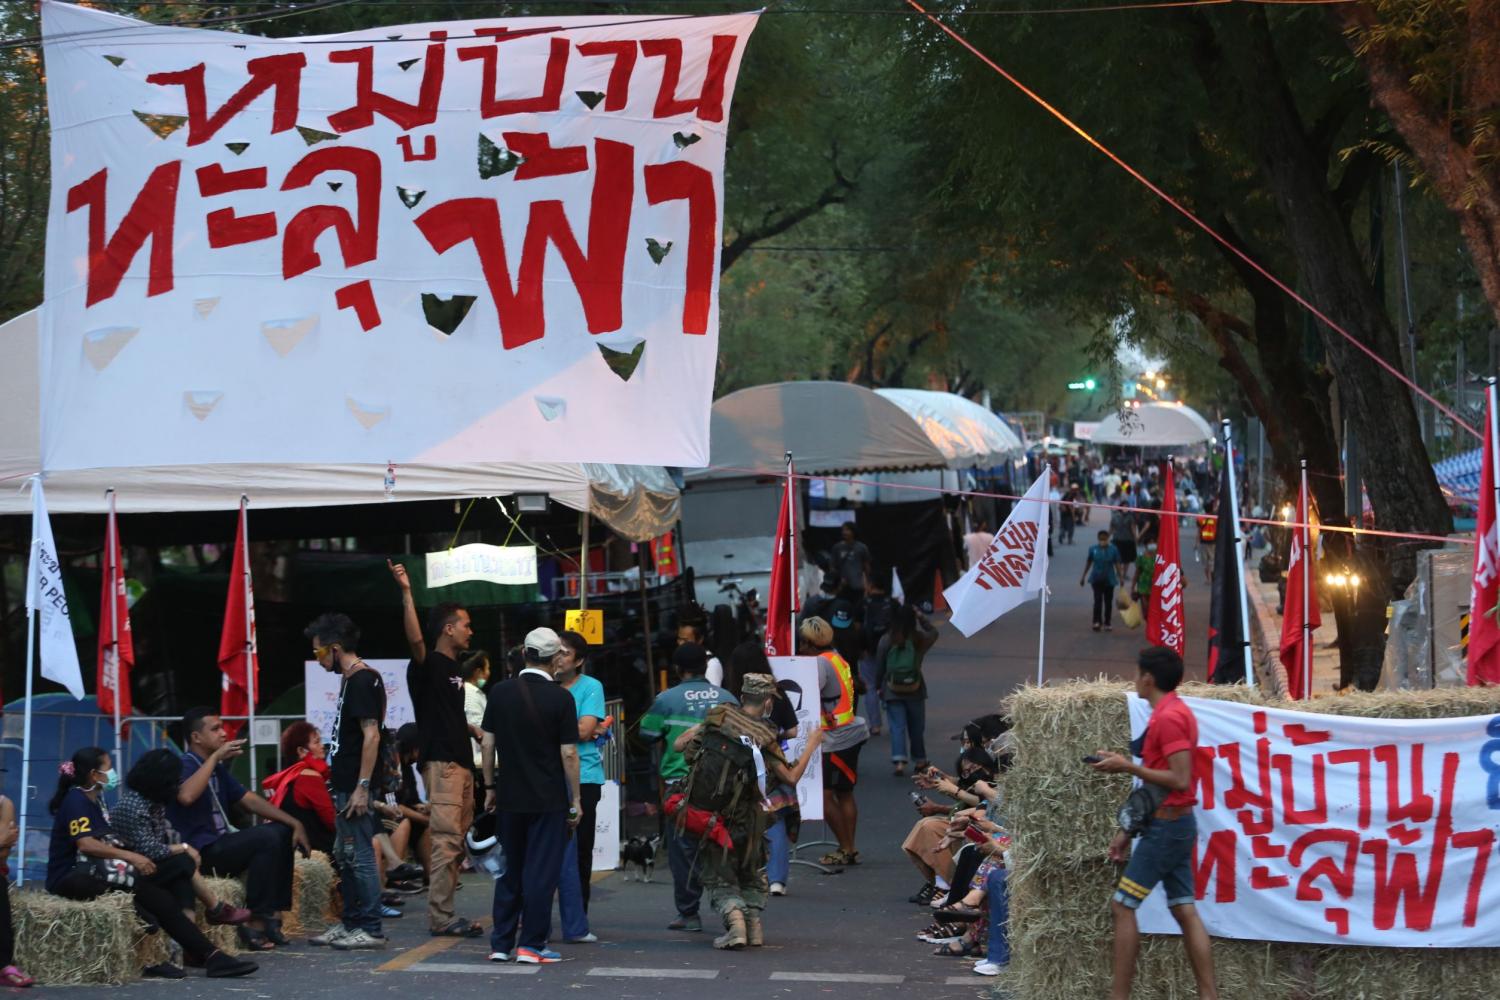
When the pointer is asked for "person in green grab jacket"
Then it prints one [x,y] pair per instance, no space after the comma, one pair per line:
[674,712]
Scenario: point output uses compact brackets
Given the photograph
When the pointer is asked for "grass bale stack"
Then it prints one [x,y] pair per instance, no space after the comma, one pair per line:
[157,948]
[67,943]
[1061,817]
[313,882]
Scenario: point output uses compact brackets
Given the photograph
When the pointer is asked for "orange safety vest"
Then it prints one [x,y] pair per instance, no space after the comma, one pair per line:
[1208,528]
[843,712]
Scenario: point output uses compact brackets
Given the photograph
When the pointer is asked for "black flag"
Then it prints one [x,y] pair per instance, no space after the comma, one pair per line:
[1226,632]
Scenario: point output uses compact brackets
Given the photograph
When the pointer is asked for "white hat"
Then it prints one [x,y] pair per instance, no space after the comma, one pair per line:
[542,644]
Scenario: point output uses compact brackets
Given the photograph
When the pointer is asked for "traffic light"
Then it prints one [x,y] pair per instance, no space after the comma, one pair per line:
[1087,385]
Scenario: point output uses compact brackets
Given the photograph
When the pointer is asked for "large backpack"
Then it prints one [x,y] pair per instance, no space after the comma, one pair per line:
[722,770]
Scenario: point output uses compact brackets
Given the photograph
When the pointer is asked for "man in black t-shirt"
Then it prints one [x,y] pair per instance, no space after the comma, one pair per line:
[530,759]
[437,695]
[851,564]
[354,753]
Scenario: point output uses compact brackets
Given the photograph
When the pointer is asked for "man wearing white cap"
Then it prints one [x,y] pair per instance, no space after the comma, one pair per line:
[531,775]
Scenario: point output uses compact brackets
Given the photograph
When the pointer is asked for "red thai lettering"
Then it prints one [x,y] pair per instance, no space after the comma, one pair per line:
[369,102]
[491,105]
[360,297]
[1482,842]
[598,274]
[1361,758]
[1419,808]
[151,216]
[680,181]
[410,155]
[541,159]
[1216,862]
[709,104]
[1317,813]
[358,237]
[1240,795]
[225,227]
[1399,881]
[281,73]
[617,90]
[1203,777]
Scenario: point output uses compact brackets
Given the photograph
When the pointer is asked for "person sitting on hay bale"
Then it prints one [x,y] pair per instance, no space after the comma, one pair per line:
[301,788]
[140,822]
[10,832]
[1165,852]
[85,861]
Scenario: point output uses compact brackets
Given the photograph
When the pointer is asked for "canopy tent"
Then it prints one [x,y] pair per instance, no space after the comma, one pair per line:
[970,435]
[637,502]
[1459,475]
[1154,425]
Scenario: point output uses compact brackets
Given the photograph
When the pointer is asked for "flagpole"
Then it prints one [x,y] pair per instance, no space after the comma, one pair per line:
[111,544]
[791,557]
[1239,554]
[30,674]
[250,664]
[1041,632]
[1494,455]
[1303,516]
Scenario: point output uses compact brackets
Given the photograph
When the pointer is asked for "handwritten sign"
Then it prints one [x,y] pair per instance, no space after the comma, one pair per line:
[489,240]
[503,564]
[321,688]
[1337,830]
[589,624]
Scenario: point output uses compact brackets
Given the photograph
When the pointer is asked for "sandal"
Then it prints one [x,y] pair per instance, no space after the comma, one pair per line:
[958,913]
[460,928]
[954,949]
[834,858]
[254,940]
[222,914]
[12,976]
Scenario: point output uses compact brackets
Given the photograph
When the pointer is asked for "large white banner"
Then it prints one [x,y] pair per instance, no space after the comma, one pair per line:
[321,688]
[797,676]
[1335,830]
[492,240]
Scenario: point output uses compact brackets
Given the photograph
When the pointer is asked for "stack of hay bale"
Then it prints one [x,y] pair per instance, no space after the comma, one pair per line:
[1061,815]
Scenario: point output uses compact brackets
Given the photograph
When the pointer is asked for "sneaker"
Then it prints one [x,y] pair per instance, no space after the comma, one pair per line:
[335,932]
[987,968]
[530,956]
[693,923]
[499,956]
[360,940]
[391,913]
[162,970]
[589,938]
[778,889]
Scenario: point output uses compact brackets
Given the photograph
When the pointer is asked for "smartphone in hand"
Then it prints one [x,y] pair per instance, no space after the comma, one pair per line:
[1092,758]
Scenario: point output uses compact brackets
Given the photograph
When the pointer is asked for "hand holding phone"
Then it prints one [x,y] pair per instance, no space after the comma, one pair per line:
[1092,758]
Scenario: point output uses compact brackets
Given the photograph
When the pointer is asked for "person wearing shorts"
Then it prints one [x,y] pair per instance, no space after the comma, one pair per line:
[1164,854]
[844,733]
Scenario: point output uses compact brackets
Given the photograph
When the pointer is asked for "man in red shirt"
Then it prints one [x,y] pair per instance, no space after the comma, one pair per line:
[1165,852]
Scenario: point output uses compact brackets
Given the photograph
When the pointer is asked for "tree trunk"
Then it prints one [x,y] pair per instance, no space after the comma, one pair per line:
[1402,487]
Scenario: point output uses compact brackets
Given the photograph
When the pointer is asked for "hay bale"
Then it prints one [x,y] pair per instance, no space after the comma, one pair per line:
[67,943]
[229,890]
[1061,816]
[313,884]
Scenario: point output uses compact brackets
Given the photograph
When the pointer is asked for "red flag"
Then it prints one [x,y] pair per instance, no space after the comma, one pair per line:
[781,603]
[1164,624]
[116,647]
[1300,615]
[237,657]
[1484,630]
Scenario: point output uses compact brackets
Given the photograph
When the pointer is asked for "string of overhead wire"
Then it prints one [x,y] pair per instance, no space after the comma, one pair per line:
[281,10]
[1186,213]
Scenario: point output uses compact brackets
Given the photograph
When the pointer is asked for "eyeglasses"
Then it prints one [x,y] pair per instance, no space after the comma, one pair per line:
[321,651]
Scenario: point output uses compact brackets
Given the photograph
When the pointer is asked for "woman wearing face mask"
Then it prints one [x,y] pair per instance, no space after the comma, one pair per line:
[475,670]
[83,850]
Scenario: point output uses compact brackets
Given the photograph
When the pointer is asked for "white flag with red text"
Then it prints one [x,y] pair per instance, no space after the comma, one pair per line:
[1484,596]
[1012,571]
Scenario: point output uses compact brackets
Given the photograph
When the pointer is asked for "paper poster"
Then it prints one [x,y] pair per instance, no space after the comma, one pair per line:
[322,693]
[470,241]
[607,828]
[503,564]
[797,676]
[589,624]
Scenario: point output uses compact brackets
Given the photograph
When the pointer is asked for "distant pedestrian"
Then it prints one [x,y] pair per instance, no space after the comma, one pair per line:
[475,669]
[851,564]
[1208,533]
[1145,573]
[901,685]
[845,732]
[1122,530]
[531,757]
[1068,514]
[1164,854]
[436,684]
[1101,571]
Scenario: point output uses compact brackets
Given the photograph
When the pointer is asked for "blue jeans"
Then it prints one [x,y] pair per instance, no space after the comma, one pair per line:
[575,919]
[354,856]
[1163,854]
[907,718]
[533,845]
[682,855]
[867,667]
[779,859]
[999,894]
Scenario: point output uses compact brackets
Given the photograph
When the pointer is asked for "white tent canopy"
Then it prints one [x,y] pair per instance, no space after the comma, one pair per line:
[1154,425]
[832,427]
[639,502]
[970,435]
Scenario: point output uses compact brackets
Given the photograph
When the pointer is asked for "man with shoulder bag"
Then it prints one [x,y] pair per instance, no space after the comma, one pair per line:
[1160,813]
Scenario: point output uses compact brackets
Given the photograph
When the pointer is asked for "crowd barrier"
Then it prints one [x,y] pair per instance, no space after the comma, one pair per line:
[1061,816]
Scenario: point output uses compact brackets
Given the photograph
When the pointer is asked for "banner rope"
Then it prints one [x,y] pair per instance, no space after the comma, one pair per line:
[1181,209]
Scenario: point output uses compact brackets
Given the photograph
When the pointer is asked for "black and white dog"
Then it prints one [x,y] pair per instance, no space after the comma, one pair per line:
[641,853]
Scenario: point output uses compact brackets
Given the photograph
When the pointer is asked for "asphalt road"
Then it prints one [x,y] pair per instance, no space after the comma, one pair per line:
[846,935]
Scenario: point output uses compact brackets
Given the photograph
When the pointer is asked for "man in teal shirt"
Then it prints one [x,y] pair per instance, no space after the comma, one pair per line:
[675,711]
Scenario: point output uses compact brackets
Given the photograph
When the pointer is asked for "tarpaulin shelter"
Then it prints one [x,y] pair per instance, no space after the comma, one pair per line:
[1154,425]
[887,439]
[637,502]
[1459,475]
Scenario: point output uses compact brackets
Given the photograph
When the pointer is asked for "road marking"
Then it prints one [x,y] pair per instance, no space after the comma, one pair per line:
[479,968]
[974,980]
[655,973]
[411,957]
[834,977]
